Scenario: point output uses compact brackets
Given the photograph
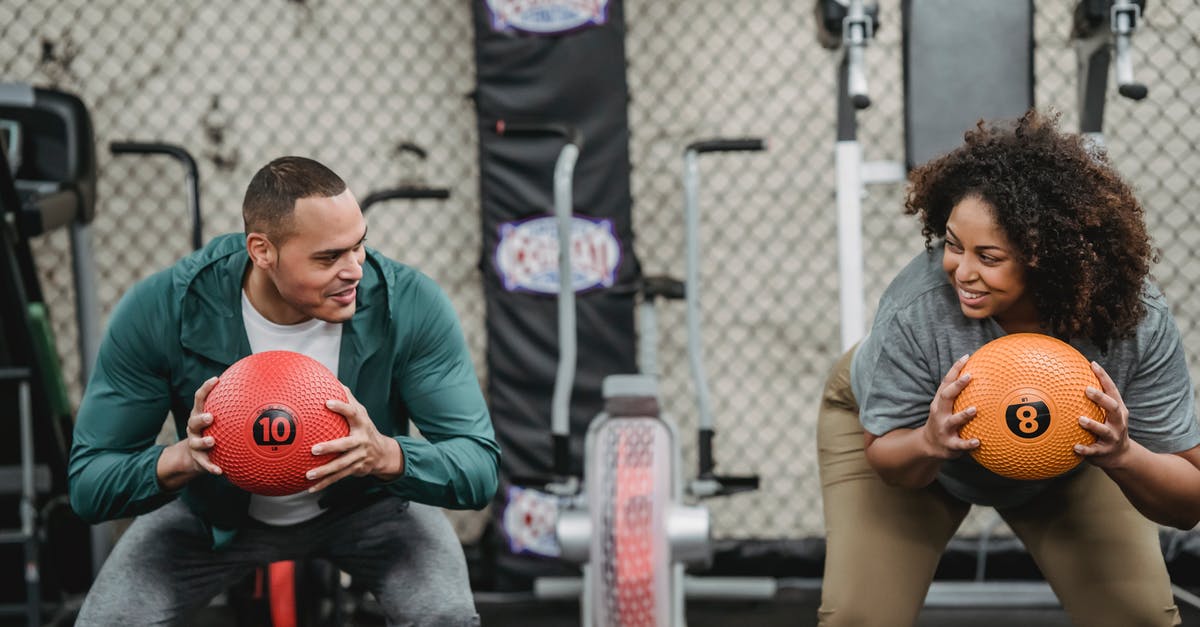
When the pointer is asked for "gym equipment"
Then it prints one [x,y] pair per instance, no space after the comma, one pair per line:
[407,190]
[956,73]
[403,193]
[849,26]
[629,527]
[562,483]
[268,411]
[191,173]
[1103,30]
[706,483]
[537,77]
[634,543]
[1028,390]
[53,166]
[47,181]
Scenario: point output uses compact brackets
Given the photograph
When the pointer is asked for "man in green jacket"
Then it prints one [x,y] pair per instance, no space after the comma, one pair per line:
[300,279]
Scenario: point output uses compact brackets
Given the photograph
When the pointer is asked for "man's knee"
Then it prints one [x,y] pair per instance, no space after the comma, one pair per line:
[448,619]
[444,602]
[105,610]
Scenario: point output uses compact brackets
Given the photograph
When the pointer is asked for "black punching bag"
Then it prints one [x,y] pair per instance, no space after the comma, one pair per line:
[551,63]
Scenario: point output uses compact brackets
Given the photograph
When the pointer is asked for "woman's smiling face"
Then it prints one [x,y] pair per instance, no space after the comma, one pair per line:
[982,266]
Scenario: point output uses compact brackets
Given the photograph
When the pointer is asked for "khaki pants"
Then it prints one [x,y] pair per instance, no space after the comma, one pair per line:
[1101,557]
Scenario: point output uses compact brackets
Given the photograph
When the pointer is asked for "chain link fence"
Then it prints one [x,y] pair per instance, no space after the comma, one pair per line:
[351,82]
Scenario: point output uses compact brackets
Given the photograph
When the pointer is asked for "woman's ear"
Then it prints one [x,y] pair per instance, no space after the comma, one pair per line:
[262,251]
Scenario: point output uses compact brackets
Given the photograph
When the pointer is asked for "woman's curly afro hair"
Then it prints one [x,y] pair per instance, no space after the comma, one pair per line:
[1074,223]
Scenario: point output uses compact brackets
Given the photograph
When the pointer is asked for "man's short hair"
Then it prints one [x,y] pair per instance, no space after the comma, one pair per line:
[272,194]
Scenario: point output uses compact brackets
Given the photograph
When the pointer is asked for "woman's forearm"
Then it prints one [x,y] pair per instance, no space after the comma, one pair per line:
[904,457]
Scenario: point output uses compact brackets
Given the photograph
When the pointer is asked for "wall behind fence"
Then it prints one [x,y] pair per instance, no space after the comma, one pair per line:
[347,82]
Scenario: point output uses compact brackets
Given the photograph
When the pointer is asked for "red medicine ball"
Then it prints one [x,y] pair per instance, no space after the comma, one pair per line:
[268,411]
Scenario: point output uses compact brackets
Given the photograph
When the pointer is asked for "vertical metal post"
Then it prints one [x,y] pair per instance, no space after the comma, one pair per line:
[33,589]
[848,163]
[692,281]
[564,380]
[87,317]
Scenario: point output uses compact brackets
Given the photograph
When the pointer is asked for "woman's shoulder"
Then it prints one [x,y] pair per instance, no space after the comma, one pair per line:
[1153,296]
[919,288]
[1158,309]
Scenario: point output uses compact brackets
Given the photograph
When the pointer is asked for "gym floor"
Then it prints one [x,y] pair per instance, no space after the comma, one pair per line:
[1011,576]
[793,607]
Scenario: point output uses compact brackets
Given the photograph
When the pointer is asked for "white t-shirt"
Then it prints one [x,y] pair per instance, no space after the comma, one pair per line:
[317,339]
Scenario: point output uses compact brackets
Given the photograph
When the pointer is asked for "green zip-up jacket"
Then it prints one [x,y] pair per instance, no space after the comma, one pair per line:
[402,354]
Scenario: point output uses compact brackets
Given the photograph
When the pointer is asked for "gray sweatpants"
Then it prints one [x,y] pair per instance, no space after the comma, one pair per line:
[163,568]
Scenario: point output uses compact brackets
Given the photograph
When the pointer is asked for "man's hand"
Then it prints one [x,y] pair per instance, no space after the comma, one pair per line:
[365,451]
[188,458]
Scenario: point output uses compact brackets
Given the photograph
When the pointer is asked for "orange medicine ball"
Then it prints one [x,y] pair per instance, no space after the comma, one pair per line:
[1028,392]
[268,411]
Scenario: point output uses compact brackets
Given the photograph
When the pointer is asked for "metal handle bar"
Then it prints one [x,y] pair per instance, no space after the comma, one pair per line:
[564,378]
[727,145]
[691,212]
[189,164]
[857,29]
[1124,21]
[404,193]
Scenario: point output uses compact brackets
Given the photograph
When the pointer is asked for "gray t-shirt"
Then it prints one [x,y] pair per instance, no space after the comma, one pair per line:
[919,332]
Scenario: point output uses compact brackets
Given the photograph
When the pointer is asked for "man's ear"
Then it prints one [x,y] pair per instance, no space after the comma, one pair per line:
[262,251]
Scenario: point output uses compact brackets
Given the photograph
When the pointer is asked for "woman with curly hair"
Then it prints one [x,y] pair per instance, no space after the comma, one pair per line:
[1027,229]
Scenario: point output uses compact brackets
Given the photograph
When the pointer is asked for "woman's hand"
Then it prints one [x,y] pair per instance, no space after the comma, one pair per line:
[1164,487]
[1112,435]
[941,429]
[912,457]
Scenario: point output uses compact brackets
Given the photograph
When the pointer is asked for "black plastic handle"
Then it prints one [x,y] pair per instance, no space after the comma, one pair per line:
[665,287]
[539,129]
[1133,91]
[403,193]
[145,148]
[747,144]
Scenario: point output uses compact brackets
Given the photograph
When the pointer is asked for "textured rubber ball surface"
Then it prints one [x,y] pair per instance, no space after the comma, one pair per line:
[1028,392]
[268,411]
